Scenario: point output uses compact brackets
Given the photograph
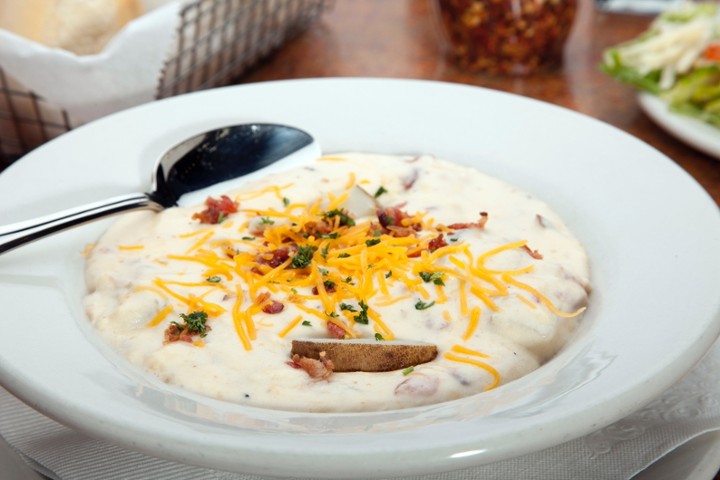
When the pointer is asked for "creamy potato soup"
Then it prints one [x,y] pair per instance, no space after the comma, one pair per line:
[358,283]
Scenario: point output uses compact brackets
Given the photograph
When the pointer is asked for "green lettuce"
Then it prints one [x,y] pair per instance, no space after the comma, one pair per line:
[697,94]
[613,66]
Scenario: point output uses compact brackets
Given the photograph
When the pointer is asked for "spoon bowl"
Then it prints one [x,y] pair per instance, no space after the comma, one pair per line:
[213,159]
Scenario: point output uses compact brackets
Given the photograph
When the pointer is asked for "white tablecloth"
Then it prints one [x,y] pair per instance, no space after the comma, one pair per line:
[687,410]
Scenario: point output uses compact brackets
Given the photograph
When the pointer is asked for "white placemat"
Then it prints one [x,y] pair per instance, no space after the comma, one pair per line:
[687,410]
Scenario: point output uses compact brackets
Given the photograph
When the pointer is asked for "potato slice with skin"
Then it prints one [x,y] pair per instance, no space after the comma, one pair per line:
[365,355]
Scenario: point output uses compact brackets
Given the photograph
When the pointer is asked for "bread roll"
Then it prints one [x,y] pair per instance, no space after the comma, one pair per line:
[80,26]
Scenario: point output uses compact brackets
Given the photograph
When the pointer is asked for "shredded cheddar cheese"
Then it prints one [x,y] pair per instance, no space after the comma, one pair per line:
[131,247]
[290,326]
[350,257]
[202,241]
[468,356]
[473,324]
[160,316]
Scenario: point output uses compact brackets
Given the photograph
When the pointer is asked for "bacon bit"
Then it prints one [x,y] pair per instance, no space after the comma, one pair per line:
[273,307]
[479,224]
[411,179]
[533,253]
[273,258]
[329,287]
[401,231]
[437,242]
[461,225]
[320,369]
[216,210]
[390,216]
[317,229]
[335,330]
[391,221]
[376,228]
[483,219]
[176,334]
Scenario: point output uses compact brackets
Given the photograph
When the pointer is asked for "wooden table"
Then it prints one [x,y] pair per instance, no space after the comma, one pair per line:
[399,38]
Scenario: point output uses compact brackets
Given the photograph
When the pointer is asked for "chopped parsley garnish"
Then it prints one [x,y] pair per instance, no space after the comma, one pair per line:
[303,257]
[306,323]
[380,191]
[408,371]
[332,315]
[345,219]
[434,277]
[379,337]
[332,235]
[348,307]
[420,305]
[221,217]
[372,241]
[267,221]
[329,284]
[324,252]
[194,323]
[323,271]
[214,279]
[344,255]
[388,274]
[248,238]
[286,201]
[362,317]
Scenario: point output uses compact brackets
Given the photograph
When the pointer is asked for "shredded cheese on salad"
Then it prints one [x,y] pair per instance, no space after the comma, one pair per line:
[677,58]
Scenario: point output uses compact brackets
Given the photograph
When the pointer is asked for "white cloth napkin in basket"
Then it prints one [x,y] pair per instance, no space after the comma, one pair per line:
[687,410]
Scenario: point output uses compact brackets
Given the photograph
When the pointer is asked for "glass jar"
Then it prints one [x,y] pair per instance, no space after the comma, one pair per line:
[510,37]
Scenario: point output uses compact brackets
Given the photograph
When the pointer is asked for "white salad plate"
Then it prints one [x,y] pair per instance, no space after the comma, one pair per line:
[651,233]
[691,131]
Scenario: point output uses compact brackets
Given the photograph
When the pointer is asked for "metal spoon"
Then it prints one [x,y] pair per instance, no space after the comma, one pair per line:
[200,162]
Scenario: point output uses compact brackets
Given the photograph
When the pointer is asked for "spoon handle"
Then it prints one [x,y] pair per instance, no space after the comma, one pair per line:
[21,233]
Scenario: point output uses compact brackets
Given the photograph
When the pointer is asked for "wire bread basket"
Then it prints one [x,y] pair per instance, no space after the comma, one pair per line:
[216,42]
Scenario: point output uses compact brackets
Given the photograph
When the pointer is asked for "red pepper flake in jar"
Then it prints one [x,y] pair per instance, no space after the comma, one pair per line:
[507,37]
